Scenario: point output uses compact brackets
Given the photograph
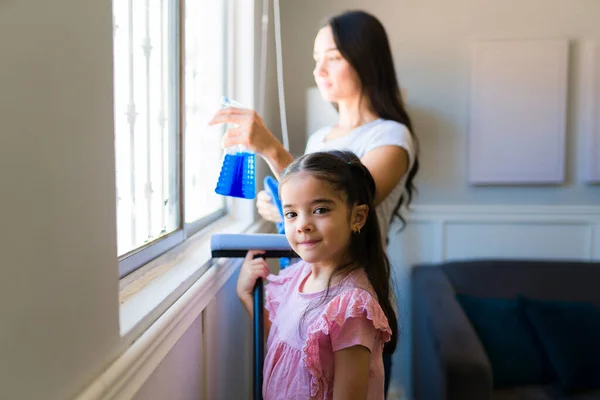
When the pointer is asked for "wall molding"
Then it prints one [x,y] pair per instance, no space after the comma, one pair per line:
[419,211]
[449,220]
[126,375]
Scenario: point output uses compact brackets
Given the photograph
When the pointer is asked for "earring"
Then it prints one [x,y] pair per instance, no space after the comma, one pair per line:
[356,231]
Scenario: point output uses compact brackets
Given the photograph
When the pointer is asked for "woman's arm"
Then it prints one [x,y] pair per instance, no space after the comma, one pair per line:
[351,376]
[387,164]
[278,159]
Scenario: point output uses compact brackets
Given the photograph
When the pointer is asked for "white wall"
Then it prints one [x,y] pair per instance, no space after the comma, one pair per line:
[228,344]
[212,360]
[430,41]
[179,374]
[58,291]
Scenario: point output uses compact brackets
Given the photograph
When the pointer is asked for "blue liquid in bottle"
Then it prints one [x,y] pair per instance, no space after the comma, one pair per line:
[238,175]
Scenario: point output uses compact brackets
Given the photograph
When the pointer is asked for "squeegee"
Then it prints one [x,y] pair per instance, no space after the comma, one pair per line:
[237,246]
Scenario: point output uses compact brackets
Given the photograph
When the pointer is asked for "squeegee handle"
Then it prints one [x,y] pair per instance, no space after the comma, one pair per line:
[259,332]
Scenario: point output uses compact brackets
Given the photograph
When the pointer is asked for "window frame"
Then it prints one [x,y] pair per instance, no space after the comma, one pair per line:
[142,255]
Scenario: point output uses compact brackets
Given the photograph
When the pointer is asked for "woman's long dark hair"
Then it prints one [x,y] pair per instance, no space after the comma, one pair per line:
[363,42]
[349,177]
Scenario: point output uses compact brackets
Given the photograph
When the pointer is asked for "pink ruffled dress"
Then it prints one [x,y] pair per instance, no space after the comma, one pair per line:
[299,362]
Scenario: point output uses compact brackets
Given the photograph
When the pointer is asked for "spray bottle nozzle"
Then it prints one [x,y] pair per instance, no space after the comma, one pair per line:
[227,102]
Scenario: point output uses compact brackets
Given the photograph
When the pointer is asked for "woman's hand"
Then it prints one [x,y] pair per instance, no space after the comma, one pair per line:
[266,209]
[250,131]
[252,269]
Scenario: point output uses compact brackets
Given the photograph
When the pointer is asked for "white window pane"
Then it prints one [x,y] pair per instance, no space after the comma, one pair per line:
[205,83]
[146,117]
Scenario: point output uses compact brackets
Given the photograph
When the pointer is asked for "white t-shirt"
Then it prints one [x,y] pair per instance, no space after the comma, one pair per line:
[361,141]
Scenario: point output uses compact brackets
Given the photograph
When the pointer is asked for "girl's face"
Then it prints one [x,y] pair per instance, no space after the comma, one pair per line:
[318,222]
[336,79]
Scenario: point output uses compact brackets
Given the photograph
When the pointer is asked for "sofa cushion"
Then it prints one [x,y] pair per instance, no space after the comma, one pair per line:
[528,392]
[510,342]
[570,335]
[538,279]
[540,392]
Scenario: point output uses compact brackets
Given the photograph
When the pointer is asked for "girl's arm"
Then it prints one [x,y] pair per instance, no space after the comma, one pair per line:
[351,376]
[252,269]
[387,164]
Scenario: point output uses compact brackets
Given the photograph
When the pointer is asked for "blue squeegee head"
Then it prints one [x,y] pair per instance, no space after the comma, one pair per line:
[272,188]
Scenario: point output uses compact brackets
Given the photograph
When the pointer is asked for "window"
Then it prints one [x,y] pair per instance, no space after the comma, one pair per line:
[170,71]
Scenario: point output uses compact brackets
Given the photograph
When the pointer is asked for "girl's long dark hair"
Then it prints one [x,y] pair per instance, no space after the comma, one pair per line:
[363,42]
[349,177]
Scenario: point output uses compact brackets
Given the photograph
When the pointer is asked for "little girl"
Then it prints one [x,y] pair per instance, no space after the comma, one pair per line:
[329,316]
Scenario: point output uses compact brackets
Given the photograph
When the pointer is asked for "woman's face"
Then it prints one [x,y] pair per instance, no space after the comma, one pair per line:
[336,79]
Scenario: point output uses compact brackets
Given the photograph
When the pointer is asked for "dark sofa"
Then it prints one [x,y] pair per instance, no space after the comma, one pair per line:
[448,358]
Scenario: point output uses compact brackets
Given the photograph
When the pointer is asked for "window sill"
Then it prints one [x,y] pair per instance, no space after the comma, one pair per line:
[148,292]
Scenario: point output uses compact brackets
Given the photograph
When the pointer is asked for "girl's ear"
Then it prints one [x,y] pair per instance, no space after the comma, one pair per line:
[359,217]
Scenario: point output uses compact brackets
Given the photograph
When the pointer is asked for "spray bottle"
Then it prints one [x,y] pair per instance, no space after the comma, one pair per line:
[238,170]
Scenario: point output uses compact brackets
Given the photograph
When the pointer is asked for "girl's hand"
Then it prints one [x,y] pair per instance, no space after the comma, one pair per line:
[266,209]
[250,131]
[252,269]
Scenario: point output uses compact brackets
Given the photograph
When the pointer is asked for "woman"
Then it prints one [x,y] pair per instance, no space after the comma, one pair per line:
[355,71]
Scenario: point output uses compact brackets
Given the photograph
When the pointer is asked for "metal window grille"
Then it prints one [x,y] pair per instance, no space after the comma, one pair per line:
[170,70]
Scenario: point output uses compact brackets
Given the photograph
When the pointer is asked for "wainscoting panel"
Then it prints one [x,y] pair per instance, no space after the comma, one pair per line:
[457,232]
[465,240]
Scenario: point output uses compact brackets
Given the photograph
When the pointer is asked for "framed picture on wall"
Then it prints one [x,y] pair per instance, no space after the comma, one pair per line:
[517,120]
[590,107]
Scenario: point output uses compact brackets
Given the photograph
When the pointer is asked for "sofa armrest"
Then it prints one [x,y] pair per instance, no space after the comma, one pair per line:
[446,341]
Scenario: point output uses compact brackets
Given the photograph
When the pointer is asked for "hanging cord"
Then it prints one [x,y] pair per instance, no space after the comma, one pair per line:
[279,61]
[278,53]
[263,58]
